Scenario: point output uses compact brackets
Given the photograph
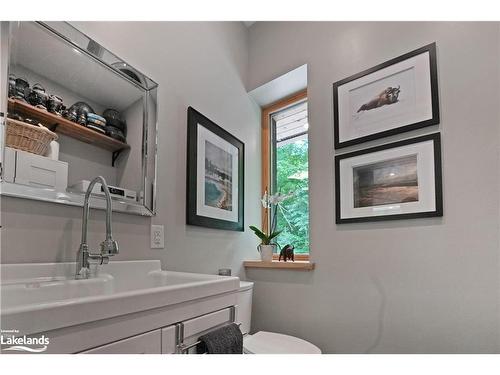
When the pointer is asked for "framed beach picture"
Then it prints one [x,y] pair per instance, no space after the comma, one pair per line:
[400,180]
[215,175]
[391,98]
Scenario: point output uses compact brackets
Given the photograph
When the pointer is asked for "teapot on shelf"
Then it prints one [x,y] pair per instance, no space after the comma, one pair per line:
[38,97]
[55,105]
[22,88]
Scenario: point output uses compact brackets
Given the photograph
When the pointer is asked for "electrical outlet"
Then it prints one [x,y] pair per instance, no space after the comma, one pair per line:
[157,237]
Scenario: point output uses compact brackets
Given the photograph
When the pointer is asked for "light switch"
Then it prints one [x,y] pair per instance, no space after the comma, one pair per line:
[157,237]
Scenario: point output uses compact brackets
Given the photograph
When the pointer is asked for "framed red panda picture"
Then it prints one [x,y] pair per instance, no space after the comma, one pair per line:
[396,96]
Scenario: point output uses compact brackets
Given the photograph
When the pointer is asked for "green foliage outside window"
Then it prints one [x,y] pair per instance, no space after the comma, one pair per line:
[293,213]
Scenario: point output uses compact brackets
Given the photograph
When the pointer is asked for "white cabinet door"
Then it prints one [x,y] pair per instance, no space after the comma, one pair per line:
[168,340]
[146,343]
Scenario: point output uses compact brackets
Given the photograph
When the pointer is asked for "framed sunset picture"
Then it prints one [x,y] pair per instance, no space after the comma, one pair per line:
[396,96]
[215,175]
[400,180]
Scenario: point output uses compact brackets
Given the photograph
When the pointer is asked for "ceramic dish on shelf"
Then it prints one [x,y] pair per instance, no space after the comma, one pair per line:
[111,113]
[115,134]
[113,118]
[12,86]
[82,107]
[38,97]
[95,122]
[82,119]
[96,128]
[118,124]
[95,117]
[55,105]
[22,88]
[70,114]
[78,113]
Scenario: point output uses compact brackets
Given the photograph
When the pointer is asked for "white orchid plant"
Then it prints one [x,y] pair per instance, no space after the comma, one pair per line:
[269,201]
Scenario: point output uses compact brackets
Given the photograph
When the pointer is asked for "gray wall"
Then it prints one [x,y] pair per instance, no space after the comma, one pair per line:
[199,64]
[413,286]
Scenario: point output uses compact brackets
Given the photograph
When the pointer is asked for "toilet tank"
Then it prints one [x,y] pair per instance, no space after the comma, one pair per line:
[244,309]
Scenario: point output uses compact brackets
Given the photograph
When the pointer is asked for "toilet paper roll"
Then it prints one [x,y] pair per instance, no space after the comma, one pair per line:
[53,150]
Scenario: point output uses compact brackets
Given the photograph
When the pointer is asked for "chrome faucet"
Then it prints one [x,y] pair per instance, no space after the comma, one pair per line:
[109,247]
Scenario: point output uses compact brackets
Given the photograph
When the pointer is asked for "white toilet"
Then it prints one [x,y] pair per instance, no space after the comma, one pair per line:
[266,342]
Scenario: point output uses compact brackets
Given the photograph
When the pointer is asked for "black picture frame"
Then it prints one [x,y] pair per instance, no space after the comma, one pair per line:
[431,49]
[438,190]
[192,218]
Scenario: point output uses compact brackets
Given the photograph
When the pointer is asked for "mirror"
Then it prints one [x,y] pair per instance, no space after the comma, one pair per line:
[105,125]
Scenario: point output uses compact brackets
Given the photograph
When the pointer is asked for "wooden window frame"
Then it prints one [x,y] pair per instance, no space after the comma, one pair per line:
[267,112]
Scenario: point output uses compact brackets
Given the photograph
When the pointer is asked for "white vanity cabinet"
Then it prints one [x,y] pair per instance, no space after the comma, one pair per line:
[168,340]
[147,343]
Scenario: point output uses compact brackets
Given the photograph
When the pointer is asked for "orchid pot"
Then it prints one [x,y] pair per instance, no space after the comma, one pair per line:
[266,252]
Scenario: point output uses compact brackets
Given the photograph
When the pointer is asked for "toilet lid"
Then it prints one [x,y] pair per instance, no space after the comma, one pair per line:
[275,343]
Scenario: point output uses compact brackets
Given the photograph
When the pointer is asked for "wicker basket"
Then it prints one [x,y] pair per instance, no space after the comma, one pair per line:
[27,137]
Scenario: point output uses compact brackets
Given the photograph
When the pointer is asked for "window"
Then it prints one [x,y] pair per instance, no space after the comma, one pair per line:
[285,170]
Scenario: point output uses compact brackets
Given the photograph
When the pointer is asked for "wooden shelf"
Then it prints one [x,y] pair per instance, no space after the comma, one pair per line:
[297,265]
[64,126]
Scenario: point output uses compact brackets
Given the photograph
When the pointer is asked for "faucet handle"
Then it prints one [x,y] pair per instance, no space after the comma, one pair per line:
[109,247]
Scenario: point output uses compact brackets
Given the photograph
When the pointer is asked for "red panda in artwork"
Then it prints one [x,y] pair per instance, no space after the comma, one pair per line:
[388,96]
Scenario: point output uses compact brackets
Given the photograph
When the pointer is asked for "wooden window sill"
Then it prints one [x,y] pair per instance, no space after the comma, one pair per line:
[297,265]
[298,257]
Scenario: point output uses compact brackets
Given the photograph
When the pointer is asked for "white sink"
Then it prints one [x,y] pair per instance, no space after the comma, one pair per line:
[42,290]
[39,297]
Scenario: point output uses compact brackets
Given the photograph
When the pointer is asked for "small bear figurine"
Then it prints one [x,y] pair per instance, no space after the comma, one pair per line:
[287,253]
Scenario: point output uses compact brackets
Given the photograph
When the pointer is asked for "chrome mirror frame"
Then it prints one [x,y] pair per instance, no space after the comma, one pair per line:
[87,46]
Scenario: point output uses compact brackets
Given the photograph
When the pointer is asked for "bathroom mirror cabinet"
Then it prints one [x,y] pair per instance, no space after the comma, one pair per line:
[44,63]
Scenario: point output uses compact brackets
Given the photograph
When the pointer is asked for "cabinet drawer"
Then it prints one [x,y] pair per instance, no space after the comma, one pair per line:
[146,343]
[197,326]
